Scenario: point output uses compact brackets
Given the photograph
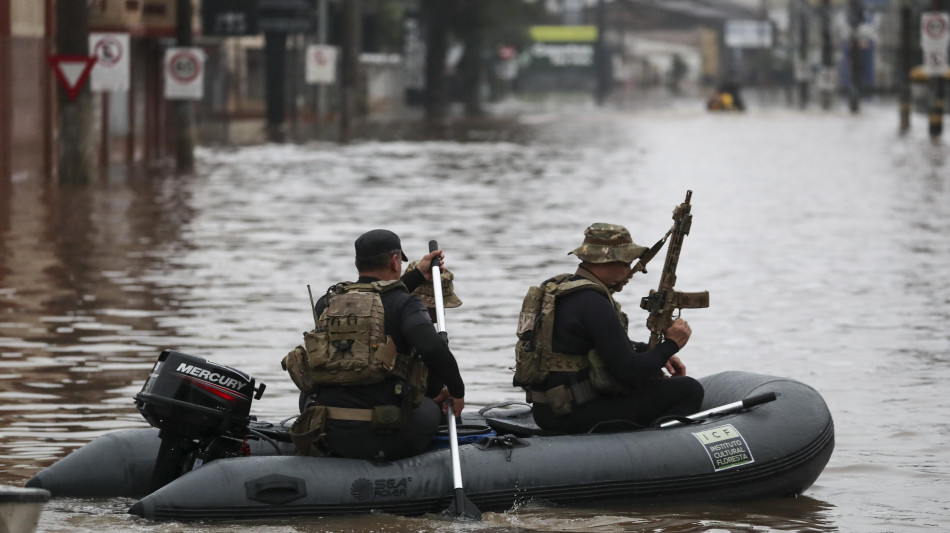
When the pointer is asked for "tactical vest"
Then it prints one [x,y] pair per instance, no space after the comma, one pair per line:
[350,346]
[534,354]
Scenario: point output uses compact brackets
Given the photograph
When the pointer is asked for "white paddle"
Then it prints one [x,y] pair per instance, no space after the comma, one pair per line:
[461,506]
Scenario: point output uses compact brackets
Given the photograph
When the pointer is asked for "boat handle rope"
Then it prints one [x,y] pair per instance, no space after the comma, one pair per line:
[268,439]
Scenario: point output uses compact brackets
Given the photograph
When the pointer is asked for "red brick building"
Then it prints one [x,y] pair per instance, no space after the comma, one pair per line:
[28,84]
[25,87]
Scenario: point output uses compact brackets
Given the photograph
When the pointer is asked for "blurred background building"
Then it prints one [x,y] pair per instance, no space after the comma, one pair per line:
[432,58]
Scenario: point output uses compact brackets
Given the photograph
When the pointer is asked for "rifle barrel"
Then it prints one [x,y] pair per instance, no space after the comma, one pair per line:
[665,300]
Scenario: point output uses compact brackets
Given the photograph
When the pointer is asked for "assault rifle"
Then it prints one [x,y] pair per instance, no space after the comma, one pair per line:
[664,300]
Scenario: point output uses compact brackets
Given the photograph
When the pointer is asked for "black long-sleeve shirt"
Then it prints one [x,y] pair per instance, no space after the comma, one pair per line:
[585,320]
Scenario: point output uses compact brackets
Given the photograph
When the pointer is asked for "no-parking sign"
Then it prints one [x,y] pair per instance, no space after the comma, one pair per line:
[321,64]
[111,71]
[935,62]
[184,73]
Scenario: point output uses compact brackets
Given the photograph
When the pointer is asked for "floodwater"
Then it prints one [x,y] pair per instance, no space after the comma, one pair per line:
[822,238]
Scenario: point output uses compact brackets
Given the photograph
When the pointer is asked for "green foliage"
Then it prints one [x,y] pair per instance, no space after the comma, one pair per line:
[498,21]
[507,21]
[389,16]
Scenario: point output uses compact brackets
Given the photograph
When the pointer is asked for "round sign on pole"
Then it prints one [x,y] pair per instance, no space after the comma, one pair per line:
[934,30]
[184,73]
[184,66]
[109,51]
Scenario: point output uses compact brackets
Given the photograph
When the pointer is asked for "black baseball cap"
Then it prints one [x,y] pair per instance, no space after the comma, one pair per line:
[378,241]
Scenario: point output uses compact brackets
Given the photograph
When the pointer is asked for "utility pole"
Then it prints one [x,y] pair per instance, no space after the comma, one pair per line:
[855,17]
[436,14]
[352,39]
[827,56]
[804,64]
[937,86]
[793,22]
[6,101]
[322,27]
[275,52]
[600,57]
[903,74]
[469,69]
[76,148]
[184,113]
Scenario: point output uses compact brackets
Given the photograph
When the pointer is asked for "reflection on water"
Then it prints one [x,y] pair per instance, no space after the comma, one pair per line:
[78,314]
[820,236]
[792,514]
[787,514]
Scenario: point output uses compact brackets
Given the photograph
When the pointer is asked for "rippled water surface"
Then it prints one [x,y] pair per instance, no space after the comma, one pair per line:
[821,236]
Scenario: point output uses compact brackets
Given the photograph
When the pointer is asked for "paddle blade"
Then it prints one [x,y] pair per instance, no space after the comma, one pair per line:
[462,507]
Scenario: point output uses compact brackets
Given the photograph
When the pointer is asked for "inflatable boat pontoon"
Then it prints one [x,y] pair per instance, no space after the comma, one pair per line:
[777,448]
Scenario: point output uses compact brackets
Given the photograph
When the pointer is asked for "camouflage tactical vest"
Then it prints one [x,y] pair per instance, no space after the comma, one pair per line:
[534,355]
[351,347]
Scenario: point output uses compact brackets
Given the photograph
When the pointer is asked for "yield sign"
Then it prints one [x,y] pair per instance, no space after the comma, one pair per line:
[72,71]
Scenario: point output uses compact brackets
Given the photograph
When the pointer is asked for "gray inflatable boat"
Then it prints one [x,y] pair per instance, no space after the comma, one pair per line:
[774,445]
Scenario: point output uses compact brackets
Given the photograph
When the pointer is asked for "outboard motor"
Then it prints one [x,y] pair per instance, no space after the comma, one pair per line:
[202,410]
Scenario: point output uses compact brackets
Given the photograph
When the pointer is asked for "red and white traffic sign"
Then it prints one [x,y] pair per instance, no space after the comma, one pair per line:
[321,64]
[72,71]
[934,30]
[935,62]
[111,72]
[184,73]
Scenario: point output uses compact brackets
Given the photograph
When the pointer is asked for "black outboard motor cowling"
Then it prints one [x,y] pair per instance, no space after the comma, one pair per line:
[196,397]
[202,410]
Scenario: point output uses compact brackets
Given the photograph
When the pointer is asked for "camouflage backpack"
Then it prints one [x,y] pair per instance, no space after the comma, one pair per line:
[350,346]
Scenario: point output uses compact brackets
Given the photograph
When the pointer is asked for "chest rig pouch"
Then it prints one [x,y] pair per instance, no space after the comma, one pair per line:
[535,358]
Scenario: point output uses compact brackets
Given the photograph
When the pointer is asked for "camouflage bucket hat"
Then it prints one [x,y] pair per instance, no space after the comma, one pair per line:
[604,243]
[426,294]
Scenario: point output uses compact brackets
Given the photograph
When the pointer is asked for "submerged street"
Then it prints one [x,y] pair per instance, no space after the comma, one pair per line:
[820,236]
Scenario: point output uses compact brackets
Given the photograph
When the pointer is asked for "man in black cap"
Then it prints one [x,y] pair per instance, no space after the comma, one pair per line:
[380,413]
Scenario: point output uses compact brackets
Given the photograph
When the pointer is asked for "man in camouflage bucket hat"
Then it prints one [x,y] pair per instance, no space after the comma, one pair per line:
[607,252]
[597,375]
[604,243]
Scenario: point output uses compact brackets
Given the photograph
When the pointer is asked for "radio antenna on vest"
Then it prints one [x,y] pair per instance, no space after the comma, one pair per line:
[313,308]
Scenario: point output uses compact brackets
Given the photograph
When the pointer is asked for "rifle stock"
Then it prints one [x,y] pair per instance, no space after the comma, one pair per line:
[664,300]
